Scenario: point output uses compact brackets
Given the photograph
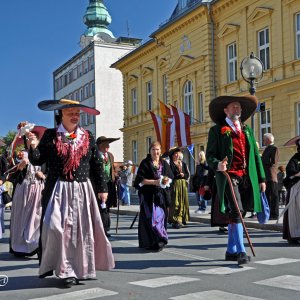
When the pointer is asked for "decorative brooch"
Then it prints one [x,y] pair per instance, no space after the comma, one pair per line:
[71,137]
[226,130]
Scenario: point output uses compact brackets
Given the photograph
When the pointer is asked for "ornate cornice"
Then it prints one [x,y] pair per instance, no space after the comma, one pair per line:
[227,29]
[258,13]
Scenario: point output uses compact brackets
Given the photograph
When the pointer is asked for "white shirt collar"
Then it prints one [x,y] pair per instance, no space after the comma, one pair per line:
[230,123]
[62,129]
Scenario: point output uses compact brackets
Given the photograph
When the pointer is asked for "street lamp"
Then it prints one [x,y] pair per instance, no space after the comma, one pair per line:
[252,72]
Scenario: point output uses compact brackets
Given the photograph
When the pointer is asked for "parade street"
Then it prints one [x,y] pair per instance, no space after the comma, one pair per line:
[191,267]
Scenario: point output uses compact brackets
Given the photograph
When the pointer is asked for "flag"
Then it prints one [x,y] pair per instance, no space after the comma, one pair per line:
[168,127]
[182,126]
[157,125]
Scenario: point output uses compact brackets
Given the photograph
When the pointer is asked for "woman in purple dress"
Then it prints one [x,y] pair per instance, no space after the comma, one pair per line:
[153,183]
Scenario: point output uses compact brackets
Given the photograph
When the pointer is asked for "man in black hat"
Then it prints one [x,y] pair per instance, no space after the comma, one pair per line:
[232,148]
[110,175]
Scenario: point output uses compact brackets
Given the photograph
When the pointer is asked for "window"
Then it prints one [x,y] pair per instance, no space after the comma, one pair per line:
[75,73]
[264,47]
[201,107]
[265,124]
[297,21]
[85,66]
[91,63]
[134,101]
[65,81]
[188,99]
[82,119]
[149,94]
[134,152]
[92,119]
[80,70]
[76,95]
[165,89]
[70,75]
[182,4]
[232,62]
[92,88]
[81,95]
[148,143]
[86,91]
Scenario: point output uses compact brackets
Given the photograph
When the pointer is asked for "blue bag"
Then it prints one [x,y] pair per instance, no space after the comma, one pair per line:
[264,215]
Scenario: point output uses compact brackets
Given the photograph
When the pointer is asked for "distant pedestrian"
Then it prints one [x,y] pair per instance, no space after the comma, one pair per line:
[199,182]
[281,175]
[270,158]
[126,176]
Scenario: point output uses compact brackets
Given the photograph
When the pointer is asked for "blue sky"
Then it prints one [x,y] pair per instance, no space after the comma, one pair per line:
[38,36]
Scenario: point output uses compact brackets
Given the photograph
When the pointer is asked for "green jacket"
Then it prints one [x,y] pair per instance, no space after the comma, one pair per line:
[219,146]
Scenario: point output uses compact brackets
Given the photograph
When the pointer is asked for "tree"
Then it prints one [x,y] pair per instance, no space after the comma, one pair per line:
[7,140]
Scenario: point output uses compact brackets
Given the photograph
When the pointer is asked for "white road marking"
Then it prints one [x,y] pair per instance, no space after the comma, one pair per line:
[82,295]
[213,295]
[226,270]
[277,261]
[288,282]
[163,281]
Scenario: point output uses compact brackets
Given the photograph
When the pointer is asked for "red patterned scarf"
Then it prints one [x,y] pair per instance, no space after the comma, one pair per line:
[71,152]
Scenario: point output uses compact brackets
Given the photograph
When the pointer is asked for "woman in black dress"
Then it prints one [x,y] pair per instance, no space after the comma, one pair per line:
[153,183]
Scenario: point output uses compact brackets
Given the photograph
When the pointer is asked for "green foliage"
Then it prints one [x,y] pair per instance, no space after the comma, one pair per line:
[7,140]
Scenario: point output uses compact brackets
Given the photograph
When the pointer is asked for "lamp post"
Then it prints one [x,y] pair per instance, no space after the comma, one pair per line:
[252,72]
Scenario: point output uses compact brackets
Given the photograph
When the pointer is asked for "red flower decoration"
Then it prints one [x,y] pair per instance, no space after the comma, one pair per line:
[71,136]
[226,130]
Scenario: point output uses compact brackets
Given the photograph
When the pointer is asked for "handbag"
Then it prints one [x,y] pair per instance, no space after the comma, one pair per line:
[6,198]
[264,215]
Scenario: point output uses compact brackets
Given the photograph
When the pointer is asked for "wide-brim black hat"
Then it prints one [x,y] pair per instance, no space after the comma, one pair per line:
[174,150]
[217,105]
[49,105]
[102,139]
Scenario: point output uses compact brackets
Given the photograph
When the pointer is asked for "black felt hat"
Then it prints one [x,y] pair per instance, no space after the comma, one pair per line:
[217,105]
[102,139]
[49,105]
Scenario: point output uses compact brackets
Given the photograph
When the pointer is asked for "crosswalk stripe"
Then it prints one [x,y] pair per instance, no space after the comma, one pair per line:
[277,261]
[82,295]
[288,282]
[163,281]
[225,270]
[213,295]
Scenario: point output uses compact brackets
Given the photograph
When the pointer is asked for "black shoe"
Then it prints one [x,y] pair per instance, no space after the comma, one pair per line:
[70,281]
[243,258]
[107,234]
[231,256]
[177,225]
[223,229]
[293,242]
[161,246]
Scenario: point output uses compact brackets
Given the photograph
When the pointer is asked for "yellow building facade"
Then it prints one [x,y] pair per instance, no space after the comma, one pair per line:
[196,56]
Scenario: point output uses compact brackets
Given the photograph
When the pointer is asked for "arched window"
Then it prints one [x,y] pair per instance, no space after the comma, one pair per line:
[188,99]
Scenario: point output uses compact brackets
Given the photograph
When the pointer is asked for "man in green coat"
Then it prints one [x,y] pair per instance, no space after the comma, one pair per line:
[232,148]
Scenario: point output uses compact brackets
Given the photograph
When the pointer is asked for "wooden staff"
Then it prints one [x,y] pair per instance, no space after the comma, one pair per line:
[238,210]
[118,204]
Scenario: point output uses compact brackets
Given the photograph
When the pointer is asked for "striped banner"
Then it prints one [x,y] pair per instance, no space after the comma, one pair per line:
[182,126]
[168,127]
[157,125]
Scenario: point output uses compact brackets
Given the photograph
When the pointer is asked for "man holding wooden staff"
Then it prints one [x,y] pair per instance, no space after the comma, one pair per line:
[233,154]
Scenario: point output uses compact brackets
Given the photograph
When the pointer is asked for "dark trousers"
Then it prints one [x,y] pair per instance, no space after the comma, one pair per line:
[243,194]
[273,199]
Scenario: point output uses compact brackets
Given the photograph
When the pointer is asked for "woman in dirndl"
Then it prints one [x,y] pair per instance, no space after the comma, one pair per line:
[26,207]
[153,184]
[179,208]
[73,241]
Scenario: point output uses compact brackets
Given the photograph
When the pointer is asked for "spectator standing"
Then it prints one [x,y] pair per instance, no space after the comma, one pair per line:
[270,159]
[281,175]
[200,183]
[126,176]
[111,176]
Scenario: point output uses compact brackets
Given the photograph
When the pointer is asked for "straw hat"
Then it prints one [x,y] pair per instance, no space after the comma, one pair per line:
[49,105]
